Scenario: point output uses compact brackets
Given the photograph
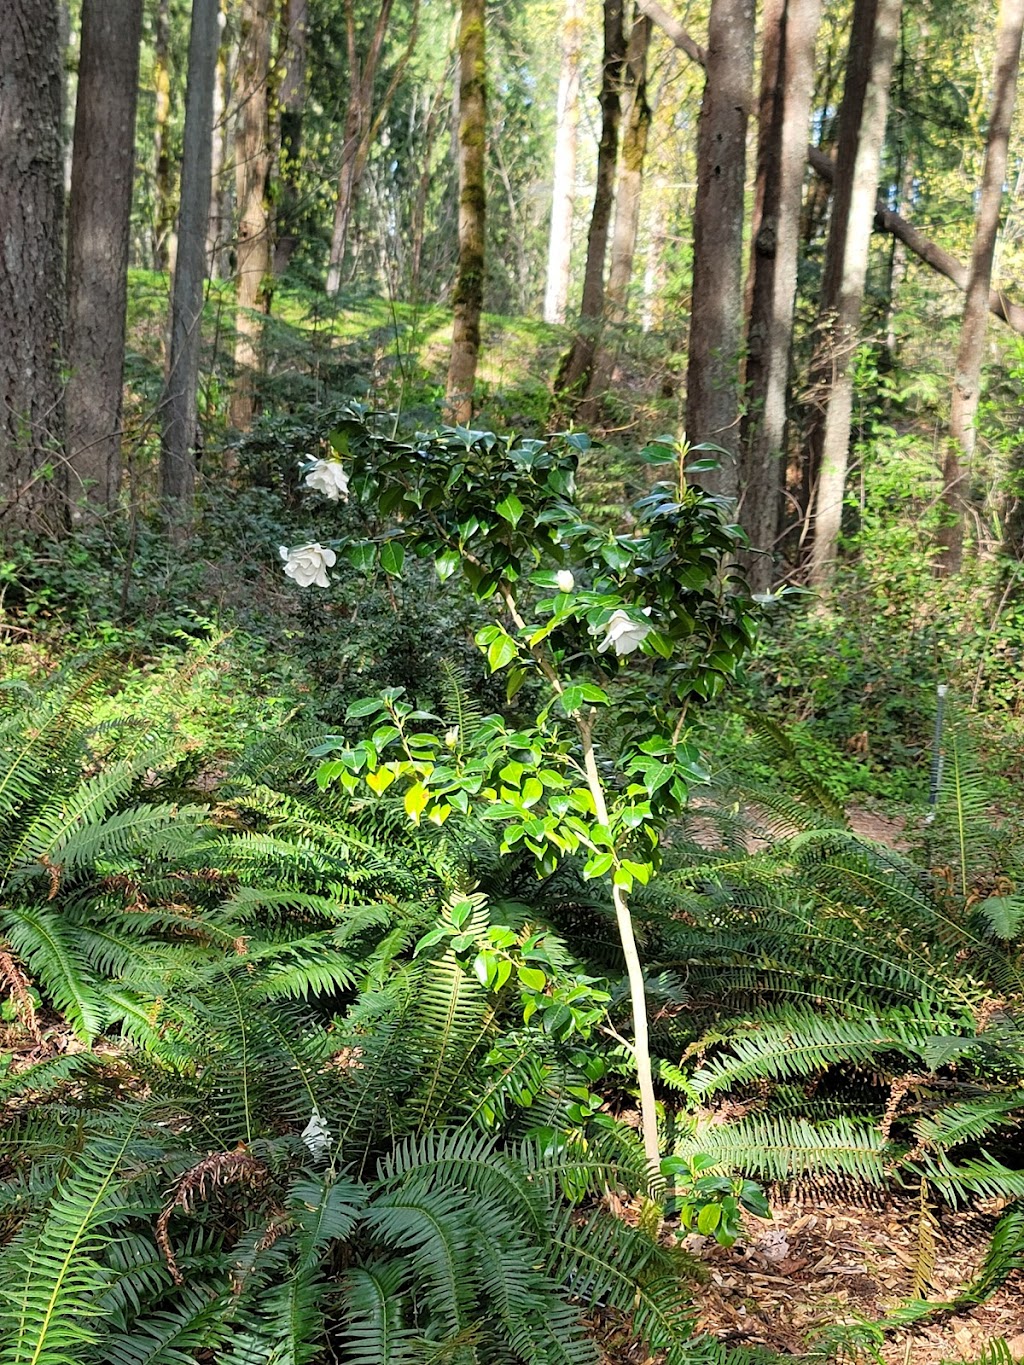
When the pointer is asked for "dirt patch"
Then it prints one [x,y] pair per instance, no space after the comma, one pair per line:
[816,1266]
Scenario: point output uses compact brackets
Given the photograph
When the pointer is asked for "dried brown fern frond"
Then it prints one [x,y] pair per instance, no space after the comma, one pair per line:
[217,1169]
[19,985]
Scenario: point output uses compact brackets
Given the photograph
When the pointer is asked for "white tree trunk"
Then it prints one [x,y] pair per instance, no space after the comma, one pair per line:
[563,190]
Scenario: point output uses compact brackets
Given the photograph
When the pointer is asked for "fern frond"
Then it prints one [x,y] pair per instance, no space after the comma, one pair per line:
[51,1275]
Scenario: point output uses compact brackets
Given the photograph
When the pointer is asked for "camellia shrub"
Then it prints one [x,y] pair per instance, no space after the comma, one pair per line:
[607,639]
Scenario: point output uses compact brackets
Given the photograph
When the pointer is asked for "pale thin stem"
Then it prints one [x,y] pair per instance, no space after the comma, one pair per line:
[634,971]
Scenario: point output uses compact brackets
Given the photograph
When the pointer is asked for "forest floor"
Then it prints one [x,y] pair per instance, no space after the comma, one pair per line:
[824,1261]
[830,1258]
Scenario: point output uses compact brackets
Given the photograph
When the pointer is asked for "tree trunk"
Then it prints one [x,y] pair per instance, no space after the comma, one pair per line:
[787,82]
[563,189]
[355,147]
[163,182]
[99,224]
[31,267]
[179,416]
[292,48]
[967,377]
[218,232]
[862,118]
[629,185]
[574,371]
[468,295]
[252,165]
[713,369]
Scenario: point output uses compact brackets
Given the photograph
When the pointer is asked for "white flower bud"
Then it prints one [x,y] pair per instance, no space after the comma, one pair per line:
[564,580]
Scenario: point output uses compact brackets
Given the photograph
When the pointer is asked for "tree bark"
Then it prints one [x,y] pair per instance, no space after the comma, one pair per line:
[178,409]
[99,224]
[933,255]
[163,181]
[713,368]
[787,82]
[291,96]
[218,232]
[467,299]
[31,267]
[967,376]
[628,188]
[563,188]
[862,119]
[574,371]
[252,166]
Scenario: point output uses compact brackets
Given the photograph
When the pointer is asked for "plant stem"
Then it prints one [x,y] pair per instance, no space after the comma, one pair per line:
[634,971]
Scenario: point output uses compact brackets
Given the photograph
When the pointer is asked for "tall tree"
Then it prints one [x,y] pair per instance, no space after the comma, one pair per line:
[563,186]
[362,120]
[252,167]
[967,375]
[862,118]
[180,423]
[468,295]
[787,83]
[575,370]
[291,97]
[163,180]
[31,266]
[628,187]
[99,223]
[716,311]
[218,232]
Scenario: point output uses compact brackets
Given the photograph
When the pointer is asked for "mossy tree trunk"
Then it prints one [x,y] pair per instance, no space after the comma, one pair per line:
[252,167]
[468,295]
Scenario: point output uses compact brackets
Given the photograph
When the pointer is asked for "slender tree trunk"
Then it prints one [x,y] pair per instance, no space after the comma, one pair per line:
[163,182]
[292,47]
[99,224]
[419,207]
[31,267]
[967,379]
[716,328]
[574,371]
[218,232]
[787,82]
[927,251]
[355,147]
[563,188]
[252,164]
[629,184]
[468,295]
[180,419]
[862,118]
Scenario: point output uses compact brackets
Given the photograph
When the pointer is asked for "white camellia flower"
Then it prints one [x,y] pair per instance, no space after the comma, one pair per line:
[564,580]
[621,633]
[329,478]
[308,564]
